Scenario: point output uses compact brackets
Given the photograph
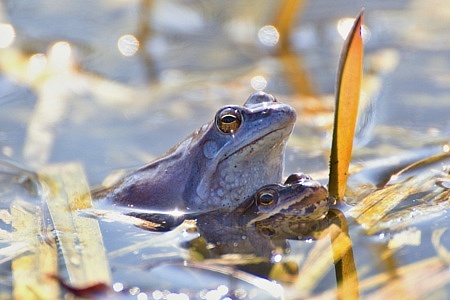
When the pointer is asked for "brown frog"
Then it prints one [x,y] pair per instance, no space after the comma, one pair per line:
[274,213]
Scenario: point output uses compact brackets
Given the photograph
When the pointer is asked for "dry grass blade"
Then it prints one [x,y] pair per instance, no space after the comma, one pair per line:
[399,220]
[375,206]
[419,177]
[30,269]
[424,162]
[79,238]
[347,99]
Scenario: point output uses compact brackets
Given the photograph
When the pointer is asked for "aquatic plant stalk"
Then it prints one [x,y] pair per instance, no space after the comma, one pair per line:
[348,85]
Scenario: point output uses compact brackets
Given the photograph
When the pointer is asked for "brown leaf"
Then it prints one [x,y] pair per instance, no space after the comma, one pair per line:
[347,99]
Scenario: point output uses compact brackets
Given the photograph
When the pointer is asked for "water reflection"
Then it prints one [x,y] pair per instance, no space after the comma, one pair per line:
[254,240]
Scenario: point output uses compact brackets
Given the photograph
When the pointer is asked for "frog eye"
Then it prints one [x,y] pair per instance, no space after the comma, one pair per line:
[267,197]
[228,120]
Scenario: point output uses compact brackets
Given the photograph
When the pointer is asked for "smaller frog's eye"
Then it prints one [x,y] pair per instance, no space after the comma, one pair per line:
[228,120]
[267,197]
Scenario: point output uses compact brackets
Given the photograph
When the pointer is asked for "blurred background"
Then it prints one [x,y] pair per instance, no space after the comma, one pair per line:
[114,84]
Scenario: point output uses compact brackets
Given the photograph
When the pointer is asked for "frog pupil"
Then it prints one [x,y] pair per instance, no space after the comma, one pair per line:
[229,119]
[266,199]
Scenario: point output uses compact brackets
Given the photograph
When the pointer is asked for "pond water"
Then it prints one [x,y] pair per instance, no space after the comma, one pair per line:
[111,85]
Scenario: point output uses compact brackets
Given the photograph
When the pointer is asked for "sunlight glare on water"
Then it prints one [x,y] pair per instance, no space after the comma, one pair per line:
[157,294]
[223,289]
[277,258]
[134,291]
[216,294]
[142,296]
[174,296]
[118,287]
[176,213]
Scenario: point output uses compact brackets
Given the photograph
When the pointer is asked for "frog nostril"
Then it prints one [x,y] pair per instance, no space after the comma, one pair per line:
[267,112]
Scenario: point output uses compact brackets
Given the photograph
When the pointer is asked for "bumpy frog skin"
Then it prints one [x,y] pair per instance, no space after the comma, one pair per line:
[300,198]
[218,166]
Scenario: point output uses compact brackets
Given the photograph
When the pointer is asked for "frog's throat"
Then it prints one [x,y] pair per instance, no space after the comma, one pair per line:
[203,189]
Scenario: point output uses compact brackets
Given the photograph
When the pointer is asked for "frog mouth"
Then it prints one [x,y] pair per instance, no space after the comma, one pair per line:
[255,141]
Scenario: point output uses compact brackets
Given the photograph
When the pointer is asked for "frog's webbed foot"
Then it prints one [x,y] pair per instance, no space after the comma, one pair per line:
[101,192]
[166,222]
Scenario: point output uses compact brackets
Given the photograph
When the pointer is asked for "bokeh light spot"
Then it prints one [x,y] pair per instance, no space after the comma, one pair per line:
[118,286]
[36,65]
[259,83]
[142,296]
[128,45]
[268,35]
[60,55]
[7,35]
